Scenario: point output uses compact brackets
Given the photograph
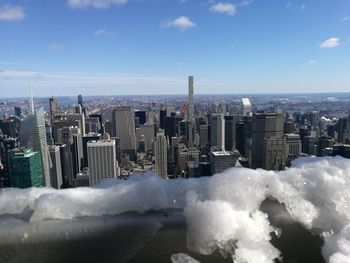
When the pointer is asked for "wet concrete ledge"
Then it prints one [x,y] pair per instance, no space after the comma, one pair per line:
[131,237]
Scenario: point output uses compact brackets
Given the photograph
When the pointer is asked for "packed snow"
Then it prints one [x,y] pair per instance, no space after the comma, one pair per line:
[222,212]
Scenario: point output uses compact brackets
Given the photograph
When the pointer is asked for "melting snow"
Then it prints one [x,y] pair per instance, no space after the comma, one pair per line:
[222,211]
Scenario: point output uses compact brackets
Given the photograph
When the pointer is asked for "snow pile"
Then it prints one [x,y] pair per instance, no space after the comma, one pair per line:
[222,211]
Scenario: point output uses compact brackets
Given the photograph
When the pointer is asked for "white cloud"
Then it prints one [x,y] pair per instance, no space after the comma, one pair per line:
[223,8]
[103,32]
[95,3]
[246,2]
[12,13]
[312,61]
[181,22]
[330,43]
[346,18]
[21,74]
[55,47]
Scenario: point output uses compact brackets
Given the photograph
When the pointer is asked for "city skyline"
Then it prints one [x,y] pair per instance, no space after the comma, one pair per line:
[149,47]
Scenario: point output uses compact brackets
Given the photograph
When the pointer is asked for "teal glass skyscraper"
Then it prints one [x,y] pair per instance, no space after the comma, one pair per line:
[25,168]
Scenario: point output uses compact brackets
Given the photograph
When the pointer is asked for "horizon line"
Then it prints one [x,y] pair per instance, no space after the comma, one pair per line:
[185,94]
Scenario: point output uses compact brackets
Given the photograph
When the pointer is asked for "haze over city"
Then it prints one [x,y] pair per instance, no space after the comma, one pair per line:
[125,47]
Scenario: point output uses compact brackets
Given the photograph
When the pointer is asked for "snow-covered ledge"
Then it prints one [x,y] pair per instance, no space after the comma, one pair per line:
[220,215]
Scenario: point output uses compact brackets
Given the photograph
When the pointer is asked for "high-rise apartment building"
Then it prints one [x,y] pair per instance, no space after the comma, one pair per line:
[161,155]
[102,160]
[33,135]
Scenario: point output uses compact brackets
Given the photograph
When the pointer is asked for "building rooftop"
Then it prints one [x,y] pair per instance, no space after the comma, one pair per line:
[246,102]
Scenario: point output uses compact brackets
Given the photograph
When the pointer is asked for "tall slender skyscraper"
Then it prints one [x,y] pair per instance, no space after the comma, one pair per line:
[161,154]
[190,99]
[102,160]
[124,128]
[53,109]
[31,100]
[190,111]
[33,135]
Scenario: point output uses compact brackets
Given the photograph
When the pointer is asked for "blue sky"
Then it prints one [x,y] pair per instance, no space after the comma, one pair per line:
[68,47]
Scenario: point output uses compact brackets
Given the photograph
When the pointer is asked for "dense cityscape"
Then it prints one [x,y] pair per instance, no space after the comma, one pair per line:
[63,143]
[182,131]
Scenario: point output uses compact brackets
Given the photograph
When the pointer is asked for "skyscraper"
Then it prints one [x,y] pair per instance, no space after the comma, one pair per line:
[124,128]
[190,99]
[102,160]
[203,134]
[141,114]
[31,100]
[147,131]
[33,135]
[53,109]
[6,145]
[67,120]
[72,153]
[161,155]
[275,155]
[247,107]
[18,112]
[80,101]
[217,131]
[25,168]
[264,126]
[56,170]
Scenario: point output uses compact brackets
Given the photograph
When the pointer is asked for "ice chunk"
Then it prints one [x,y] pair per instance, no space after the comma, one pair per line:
[217,225]
[182,258]
[339,243]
